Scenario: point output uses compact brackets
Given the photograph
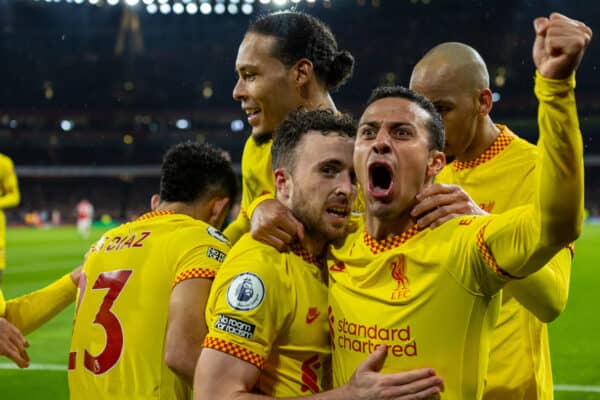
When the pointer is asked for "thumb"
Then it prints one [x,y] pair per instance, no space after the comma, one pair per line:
[375,360]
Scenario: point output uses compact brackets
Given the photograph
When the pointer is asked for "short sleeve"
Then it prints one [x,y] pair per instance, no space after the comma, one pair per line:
[248,306]
[201,254]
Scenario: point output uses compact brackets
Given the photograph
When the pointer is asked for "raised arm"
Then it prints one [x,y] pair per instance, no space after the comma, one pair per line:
[555,219]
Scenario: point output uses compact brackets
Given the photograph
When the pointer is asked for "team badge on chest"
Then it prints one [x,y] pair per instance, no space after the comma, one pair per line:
[398,266]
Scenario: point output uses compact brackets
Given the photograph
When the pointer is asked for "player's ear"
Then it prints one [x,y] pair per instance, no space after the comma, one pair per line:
[302,72]
[283,183]
[218,211]
[437,161]
[485,101]
[154,200]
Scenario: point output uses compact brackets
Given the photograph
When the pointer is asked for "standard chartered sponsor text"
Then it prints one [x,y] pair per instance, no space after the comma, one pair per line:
[367,338]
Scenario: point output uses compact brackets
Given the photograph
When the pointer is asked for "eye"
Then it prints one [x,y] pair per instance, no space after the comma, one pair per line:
[442,108]
[401,132]
[248,76]
[367,132]
[328,170]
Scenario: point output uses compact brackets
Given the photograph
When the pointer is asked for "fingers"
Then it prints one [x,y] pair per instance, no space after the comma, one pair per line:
[422,388]
[274,224]
[13,344]
[375,360]
[540,25]
[440,203]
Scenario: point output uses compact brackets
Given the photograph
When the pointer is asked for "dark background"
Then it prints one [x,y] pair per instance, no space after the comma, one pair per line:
[60,61]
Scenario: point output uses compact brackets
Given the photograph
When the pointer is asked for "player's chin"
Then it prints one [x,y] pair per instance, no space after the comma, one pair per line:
[336,231]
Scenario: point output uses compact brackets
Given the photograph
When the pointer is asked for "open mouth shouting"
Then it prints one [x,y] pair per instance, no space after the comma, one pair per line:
[380,180]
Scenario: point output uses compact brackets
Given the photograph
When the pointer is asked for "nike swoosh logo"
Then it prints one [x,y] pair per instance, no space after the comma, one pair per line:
[312,316]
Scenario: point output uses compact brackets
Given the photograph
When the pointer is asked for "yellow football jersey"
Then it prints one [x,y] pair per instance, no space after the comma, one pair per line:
[9,197]
[257,180]
[117,348]
[432,296]
[500,179]
[270,309]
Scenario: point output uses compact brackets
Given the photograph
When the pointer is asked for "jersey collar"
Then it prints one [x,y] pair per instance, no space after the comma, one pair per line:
[504,138]
[378,246]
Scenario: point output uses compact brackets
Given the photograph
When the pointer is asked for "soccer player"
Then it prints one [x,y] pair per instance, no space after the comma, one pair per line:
[432,296]
[26,313]
[85,216]
[9,197]
[268,318]
[497,169]
[286,61]
[139,322]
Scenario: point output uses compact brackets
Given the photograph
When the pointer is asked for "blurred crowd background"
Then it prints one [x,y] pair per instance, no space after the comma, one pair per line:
[93,91]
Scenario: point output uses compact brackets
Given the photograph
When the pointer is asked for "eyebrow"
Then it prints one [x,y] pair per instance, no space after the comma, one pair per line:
[392,123]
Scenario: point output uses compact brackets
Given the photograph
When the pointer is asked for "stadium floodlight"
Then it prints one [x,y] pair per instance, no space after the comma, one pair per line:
[178,8]
[234,1]
[163,1]
[152,8]
[496,97]
[249,1]
[66,125]
[219,8]
[48,1]
[93,2]
[112,2]
[237,125]
[132,3]
[205,8]
[247,9]
[165,8]
[265,1]
[183,124]
[232,9]
[280,2]
[186,1]
[191,8]
[147,2]
[295,1]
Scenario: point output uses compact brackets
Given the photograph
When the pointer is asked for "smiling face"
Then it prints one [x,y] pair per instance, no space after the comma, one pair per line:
[266,88]
[321,188]
[392,156]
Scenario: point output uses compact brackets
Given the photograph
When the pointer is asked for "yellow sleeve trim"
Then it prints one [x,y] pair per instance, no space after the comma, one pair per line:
[235,350]
[256,202]
[488,257]
[194,273]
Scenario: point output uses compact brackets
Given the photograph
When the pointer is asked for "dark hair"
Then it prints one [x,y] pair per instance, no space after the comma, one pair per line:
[297,124]
[192,171]
[300,35]
[435,124]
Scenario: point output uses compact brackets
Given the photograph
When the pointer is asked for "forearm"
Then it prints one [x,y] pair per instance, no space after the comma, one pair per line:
[559,169]
[545,292]
[30,311]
